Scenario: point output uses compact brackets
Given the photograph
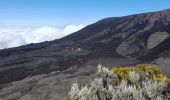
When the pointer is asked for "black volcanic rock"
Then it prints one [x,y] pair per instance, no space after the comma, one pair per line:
[127,37]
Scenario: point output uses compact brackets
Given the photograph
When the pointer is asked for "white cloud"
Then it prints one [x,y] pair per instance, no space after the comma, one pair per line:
[13,37]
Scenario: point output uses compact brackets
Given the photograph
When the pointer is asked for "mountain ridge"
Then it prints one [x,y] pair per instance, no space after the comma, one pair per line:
[116,37]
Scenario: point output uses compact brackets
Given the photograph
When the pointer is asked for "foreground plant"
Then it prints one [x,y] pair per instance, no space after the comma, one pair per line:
[142,82]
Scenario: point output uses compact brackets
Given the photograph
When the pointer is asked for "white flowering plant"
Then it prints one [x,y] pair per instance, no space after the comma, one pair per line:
[134,85]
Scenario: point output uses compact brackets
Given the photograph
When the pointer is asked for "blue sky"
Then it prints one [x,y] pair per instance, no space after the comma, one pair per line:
[66,12]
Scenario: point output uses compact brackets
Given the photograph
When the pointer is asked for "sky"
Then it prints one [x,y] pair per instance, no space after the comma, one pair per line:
[64,12]
[32,21]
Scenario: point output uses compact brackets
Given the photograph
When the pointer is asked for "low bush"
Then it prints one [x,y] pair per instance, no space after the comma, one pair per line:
[141,82]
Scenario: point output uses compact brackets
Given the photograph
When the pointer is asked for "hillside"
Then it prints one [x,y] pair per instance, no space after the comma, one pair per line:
[127,40]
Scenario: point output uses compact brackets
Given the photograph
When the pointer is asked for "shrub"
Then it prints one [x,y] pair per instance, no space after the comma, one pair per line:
[151,71]
[142,82]
[66,98]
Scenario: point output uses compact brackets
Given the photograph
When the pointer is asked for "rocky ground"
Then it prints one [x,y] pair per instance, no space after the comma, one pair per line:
[45,71]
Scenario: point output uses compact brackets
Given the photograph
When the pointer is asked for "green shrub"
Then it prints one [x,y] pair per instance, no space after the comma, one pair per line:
[142,82]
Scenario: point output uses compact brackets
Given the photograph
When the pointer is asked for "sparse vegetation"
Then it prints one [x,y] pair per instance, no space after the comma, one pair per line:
[66,98]
[141,82]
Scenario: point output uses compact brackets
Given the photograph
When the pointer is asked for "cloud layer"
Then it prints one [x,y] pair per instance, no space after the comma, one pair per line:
[13,37]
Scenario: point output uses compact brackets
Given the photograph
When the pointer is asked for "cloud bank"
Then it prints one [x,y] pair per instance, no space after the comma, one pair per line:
[13,37]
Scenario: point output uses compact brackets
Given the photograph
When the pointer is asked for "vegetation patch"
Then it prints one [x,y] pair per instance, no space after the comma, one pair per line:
[141,82]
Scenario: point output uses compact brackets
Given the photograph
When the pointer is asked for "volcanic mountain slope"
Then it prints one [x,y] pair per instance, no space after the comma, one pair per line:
[128,40]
